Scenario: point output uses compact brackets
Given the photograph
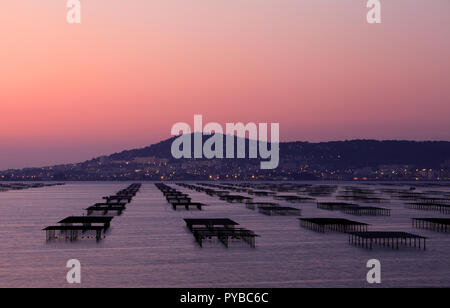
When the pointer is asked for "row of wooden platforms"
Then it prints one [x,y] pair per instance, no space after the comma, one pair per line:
[223,230]
[75,227]
[350,193]
[332,224]
[266,208]
[258,193]
[434,224]
[359,234]
[429,206]
[358,231]
[178,199]
[354,209]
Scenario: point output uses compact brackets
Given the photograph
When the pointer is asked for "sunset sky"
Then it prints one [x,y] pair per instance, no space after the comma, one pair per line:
[133,68]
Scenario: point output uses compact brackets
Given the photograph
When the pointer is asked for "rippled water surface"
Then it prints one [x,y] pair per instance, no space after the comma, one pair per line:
[149,245]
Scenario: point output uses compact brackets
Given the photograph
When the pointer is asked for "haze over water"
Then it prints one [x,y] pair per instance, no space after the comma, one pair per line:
[149,245]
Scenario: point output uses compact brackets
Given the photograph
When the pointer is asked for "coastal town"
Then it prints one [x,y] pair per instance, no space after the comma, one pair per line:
[157,169]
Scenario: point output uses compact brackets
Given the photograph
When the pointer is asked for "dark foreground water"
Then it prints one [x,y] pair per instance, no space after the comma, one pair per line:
[149,246]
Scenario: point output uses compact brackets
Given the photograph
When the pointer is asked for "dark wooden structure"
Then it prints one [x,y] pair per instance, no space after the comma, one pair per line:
[87,221]
[118,199]
[332,224]
[362,199]
[254,205]
[72,233]
[435,224]
[223,229]
[334,206]
[179,198]
[235,198]
[225,235]
[353,209]
[321,190]
[106,209]
[294,199]
[261,193]
[366,211]
[437,207]
[210,222]
[389,239]
[188,205]
[280,210]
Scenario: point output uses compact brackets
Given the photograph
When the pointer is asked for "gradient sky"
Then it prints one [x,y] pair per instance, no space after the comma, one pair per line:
[133,68]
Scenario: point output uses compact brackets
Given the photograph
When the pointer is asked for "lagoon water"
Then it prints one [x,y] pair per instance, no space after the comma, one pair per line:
[149,245]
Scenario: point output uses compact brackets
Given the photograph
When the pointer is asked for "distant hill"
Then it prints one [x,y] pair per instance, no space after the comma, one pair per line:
[355,153]
[298,160]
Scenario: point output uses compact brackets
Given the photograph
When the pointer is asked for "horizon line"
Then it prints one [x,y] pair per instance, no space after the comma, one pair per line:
[173,137]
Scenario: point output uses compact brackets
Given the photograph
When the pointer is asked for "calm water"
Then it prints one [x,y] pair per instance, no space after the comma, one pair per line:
[149,246]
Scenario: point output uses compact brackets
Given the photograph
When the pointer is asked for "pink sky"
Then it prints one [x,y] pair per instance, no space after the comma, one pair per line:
[132,69]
